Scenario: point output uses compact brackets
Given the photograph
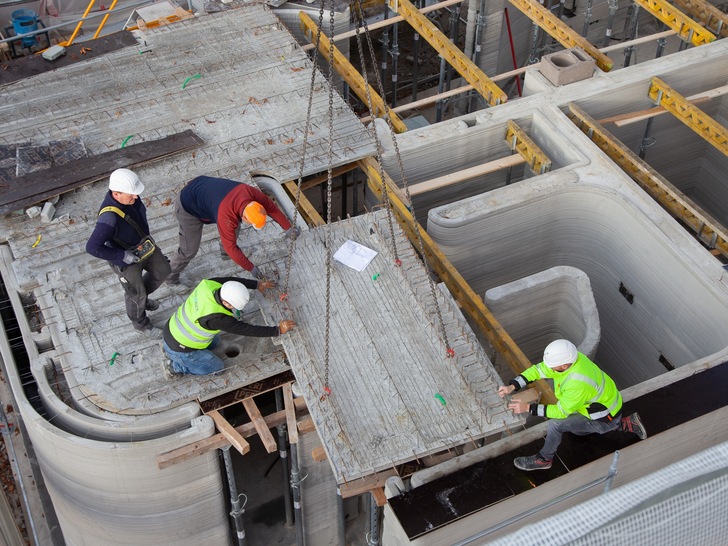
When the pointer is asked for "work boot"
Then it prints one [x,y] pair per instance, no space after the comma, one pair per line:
[532,462]
[151,305]
[168,370]
[633,423]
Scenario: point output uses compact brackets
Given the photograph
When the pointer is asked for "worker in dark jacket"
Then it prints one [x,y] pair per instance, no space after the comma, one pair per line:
[121,237]
[214,306]
[227,203]
[588,401]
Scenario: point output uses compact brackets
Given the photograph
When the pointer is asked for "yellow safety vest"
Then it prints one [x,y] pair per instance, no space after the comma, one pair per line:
[184,324]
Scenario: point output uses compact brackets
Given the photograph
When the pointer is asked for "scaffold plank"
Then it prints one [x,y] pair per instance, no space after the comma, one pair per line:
[707,229]
[663,95]
[562,33]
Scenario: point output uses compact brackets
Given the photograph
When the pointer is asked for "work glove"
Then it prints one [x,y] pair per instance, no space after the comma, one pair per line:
[257,273]
[130,257]
[294,231]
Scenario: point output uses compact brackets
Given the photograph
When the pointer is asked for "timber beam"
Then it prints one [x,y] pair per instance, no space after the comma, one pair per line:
[481,83]
[663,95]
[710,16]
[458,286]
[560,31]
[519,141]
[349,74]
[707,229]
[688,30]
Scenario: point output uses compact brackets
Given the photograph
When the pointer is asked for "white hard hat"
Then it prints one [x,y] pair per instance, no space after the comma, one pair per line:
[125,181]
[560,352]
[235,293]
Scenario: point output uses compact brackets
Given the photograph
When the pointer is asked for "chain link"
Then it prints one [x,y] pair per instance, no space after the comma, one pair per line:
[385,194]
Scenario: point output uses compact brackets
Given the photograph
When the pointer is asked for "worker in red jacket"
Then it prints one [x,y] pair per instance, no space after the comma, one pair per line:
[227,203]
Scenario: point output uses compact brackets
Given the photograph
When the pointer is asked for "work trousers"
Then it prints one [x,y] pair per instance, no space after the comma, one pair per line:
[199,362]
[190,235]
[139,280]
[577,424]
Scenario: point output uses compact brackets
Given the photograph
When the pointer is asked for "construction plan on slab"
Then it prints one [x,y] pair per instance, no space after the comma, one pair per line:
[395,395]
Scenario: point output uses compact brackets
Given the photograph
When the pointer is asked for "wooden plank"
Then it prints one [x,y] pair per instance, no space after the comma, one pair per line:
[41,185]
[248,391]
[260,425]
[227,430]
[290,413]
[379,497]
[306,425]
[318,454]
[640,115]
[217,441]
[365,484]
[465,174]
[306,209]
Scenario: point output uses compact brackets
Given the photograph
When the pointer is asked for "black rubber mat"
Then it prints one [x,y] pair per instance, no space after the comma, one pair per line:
[474,488]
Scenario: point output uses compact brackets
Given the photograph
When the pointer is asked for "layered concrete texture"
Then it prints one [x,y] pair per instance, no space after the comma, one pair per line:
[552,304]
[395,394]
[104,409]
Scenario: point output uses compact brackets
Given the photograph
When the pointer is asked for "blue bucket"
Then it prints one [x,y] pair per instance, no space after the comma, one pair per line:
[24,21]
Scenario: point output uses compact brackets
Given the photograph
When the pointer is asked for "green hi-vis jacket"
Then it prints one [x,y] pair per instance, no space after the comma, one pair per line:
[184,324]
[583,388]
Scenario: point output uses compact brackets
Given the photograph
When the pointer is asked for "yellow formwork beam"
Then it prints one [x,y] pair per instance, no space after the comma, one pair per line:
[711,17]
[481,83]
[707,229]
[561,32]
[663,95]
[518,141]
[686,28]
[350,75]
[458,286]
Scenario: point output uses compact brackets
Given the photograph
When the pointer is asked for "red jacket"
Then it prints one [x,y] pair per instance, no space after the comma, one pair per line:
[229,217]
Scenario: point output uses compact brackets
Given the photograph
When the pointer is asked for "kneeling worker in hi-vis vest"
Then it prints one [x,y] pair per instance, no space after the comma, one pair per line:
[214,306]
[588,401]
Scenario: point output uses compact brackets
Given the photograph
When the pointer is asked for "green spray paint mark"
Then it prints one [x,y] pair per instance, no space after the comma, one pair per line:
[127,139]
[187,80]
[113,359]
[441,399]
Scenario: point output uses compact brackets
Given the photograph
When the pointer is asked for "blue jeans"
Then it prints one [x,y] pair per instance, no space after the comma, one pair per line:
[199,362]
[577,424]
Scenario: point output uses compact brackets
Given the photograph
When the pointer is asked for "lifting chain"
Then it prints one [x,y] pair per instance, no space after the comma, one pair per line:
[329,183]
[360,19]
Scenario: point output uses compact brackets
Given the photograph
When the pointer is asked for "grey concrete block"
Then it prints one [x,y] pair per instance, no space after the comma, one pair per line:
[568,66]
[47,213]
[33,212]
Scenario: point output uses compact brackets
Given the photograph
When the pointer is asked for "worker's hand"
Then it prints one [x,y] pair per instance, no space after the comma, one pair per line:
[285,325]
[130,257]
[257,273]
[519,407]
[293,231]
[505,390]
[266,285]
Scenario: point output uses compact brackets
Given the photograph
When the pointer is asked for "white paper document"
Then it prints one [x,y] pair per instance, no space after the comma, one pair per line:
[355,255]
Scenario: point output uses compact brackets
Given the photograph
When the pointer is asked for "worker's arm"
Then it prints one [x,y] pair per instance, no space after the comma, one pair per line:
[227,227]
[248,283]
[226,323]
[100,243]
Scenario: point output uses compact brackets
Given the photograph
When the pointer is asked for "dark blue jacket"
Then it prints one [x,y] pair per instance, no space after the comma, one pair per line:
[110,228]
[203,195]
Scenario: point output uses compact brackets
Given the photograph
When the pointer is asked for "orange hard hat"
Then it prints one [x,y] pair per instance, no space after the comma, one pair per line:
[255,214]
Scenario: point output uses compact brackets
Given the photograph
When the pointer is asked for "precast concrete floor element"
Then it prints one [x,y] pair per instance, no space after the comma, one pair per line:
[395,395]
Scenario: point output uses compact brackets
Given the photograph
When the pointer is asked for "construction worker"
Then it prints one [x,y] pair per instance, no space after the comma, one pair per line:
[587,401]
[121,237]
[227,203]
[214,306]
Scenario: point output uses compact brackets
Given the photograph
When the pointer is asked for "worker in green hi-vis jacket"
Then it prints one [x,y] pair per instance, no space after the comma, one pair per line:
[588,401]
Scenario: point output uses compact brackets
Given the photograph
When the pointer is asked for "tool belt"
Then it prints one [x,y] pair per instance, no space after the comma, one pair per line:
[145,247]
